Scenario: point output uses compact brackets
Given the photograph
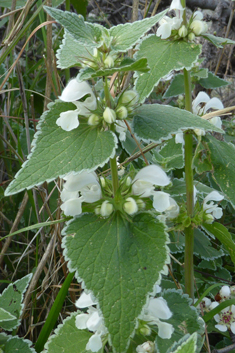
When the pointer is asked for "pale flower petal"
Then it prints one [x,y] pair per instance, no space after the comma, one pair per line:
[95,343]
[81,321]
[216,120]
[222,328]
[85,108]
[158,308]
[165,330]
[67,195]
[85,300]
[198,15]
[153,174]
[232,327]
[202,97]
[91,192]
[121,129]
[164,31]
[75,90]
[214,195]
[68,120]
[72,207]
[176,5]
[77,181]
[95,321]
[179,138]
[213,103]
[161,201]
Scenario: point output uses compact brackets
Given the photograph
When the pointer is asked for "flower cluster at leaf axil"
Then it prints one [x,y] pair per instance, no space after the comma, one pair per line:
[225,319]
[93,110]
[176,29]
[200,106]
[131,197]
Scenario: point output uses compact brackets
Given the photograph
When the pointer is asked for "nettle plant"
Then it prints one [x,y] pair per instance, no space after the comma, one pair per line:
[124,204]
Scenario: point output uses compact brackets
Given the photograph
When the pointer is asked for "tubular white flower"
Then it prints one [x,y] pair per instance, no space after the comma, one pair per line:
[146,178]
[84,301]
[201,104]
[91,321]
[176,5]
[155,310]
[72,92]
[168,24]
[161,201]
[212,208]
[87,184]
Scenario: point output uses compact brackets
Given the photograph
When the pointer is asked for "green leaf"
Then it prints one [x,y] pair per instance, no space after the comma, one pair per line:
[57,152]
[187,344]
[185,320]
[163,56]
[84,33]
[5,316]
[158,122]
[127,64]
[67,338]
[223,161]
[201,160]
[72,53]
[222,234]
[170,156]
[203,247]
[8,3]
[176,87]
[218,41]
[126,36]
[18,345]
[119,261]
[212,81]
[11,300]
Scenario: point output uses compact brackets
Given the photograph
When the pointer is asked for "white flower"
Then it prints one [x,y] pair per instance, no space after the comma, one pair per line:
[155,310]
[201,104]
[211,207]
[84,184]
[91,321]
[146,178]
[176,5]
[146,347]
[168,24]
[121,129]
[109,61]
[72,92]
[183,31]
[199,27]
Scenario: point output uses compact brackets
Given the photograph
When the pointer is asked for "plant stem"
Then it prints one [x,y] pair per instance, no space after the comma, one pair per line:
[189,231]
[113,161]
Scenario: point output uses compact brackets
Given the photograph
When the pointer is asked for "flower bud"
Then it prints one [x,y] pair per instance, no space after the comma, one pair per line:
[97,210]
[129,97]
[95,53]
[109,62]
[209,218]
[225,292]
[146,347]
[130,206]
[106,209]
[191,36]
[93,120]
[183,31]
[145,330]
[198,27]
[140,203]
[122,112]
[109,115]
[102,181]
[128,181]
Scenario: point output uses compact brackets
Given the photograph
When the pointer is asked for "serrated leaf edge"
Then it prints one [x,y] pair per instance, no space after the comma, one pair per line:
[22,295]
[137,75]
[164,271]
[34,145]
